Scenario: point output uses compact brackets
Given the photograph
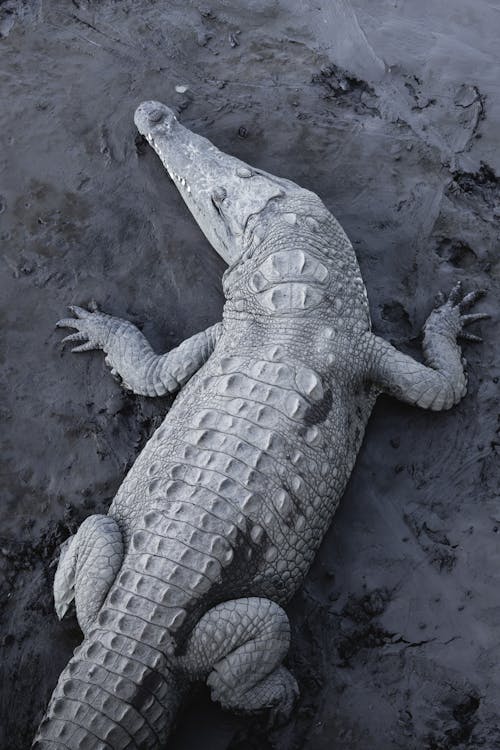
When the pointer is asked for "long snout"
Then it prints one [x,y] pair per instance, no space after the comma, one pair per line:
[221,191]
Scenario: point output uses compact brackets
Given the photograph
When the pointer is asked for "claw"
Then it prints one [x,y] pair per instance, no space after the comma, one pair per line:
[468,319]
[67,323]
[116,376]
[79,336]
[470,337]
[80,312]
[471,298]
[455,294]
[85,347]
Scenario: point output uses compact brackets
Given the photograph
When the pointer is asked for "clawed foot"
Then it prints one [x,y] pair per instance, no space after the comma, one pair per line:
[272,699]
[93,329]
[448,317]
[279,714]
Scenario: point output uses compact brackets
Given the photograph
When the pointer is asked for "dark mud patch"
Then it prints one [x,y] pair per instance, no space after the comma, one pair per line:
[345,90]
[359,628]
[484,181]
[479,191]
[459,726]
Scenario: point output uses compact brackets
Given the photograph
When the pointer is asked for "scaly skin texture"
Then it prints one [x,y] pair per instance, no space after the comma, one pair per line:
[217,523]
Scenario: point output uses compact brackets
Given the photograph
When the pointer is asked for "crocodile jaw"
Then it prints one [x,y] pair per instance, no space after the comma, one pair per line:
[221,191]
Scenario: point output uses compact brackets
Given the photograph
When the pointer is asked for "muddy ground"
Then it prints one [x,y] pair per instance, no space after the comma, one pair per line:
[390,110]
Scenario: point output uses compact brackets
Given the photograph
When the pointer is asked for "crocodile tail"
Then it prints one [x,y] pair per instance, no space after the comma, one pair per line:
[116,692]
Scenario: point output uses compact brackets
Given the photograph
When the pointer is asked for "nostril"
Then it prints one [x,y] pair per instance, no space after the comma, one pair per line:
[155,115]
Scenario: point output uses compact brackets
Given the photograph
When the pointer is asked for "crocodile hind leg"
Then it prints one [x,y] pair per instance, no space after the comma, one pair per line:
[131,357]
[441,382]
[239,646]
[88,565]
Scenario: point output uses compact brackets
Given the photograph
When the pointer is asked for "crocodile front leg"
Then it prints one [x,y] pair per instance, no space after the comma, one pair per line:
[238,646]
[88,565]
[441,382]
[131,357]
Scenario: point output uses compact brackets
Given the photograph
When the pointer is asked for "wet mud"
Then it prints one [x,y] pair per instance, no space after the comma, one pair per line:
[390,111]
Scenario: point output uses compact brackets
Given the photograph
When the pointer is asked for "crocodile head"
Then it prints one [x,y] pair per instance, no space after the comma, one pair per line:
[226,196]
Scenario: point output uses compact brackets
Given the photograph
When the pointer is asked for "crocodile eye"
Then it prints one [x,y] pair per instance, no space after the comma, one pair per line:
[219,195]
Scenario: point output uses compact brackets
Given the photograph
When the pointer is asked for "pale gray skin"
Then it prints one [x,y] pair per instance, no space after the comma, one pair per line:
[216,524]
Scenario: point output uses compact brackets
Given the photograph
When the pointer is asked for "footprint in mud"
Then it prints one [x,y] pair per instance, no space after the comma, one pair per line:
[456,252]
[398,320]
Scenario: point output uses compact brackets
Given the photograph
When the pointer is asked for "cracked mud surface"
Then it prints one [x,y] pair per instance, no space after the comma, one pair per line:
[390,111]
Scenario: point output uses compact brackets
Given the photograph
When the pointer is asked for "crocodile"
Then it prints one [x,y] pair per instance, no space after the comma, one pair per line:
[215,526]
